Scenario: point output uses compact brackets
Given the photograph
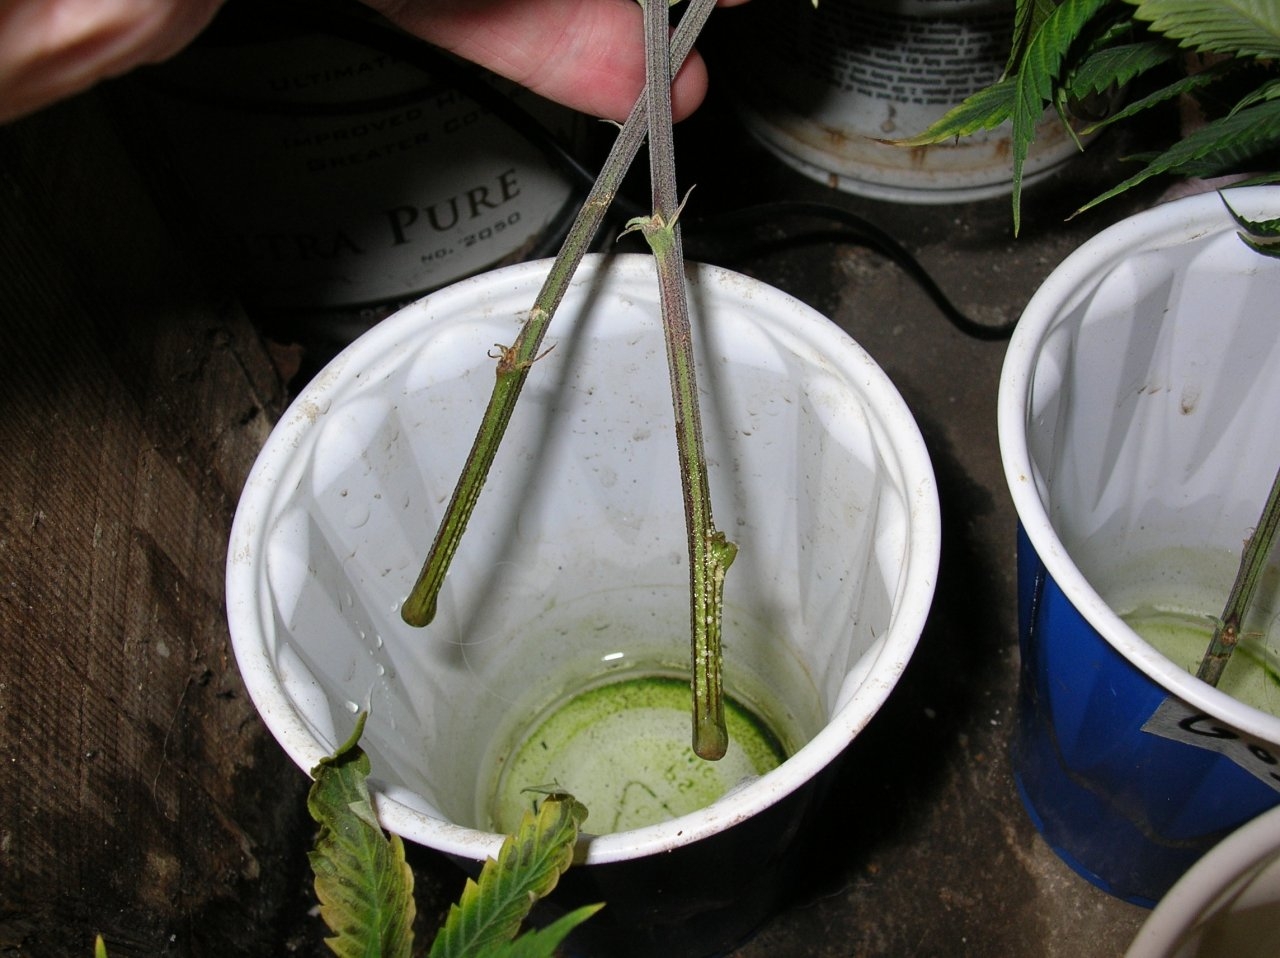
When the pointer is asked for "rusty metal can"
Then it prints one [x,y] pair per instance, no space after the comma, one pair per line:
[826,89]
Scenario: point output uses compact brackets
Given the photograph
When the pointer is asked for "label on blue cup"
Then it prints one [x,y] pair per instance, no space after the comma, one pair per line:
[1177,721]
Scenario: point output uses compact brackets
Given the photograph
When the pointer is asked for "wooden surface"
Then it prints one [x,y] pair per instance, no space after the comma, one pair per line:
[133,768]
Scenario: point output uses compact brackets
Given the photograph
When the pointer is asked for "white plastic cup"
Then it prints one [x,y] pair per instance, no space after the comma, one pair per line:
[1136,419]
[574,568]
[1228,904]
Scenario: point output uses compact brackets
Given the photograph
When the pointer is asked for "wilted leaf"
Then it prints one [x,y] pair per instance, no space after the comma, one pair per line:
[364,885]
[528,867]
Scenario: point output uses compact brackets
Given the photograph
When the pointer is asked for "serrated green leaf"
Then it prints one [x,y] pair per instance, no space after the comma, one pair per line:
[1182,85]
[1028,15]
[1265,233]
[984,110]
[1266,249]
[528,866]
[1037,78]
[1262,179]
[1249,28]
[1269,90]
[364,885]
[542,942]
[1109,68]
[1214,148]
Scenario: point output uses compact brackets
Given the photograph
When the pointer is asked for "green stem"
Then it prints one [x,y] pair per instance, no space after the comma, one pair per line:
[710,553]
[1252,563]
[419,608]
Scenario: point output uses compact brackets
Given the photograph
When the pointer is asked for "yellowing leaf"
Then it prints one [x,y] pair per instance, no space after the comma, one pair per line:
[364,885]
[528,866]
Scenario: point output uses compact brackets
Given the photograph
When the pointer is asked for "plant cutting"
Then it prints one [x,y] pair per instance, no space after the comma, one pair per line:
[569,592]
[709,551]
[819,466]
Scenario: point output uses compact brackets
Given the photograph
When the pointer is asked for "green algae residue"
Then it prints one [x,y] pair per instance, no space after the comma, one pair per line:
[623,750]
[1251,676]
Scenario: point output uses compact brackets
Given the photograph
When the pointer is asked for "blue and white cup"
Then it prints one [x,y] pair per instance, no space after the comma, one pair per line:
[1137,416]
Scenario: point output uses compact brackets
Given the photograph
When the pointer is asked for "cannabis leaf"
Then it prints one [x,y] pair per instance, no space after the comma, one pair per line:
[984,110]
[1037,78]
[364,885]
[1188,84]
[1262,236]
[1215,148]
[528,866]
[1027,18]
[1247,28]
[1112,67]
[1069,51]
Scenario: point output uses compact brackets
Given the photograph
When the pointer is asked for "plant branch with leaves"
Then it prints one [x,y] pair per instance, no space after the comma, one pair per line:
[1071,55]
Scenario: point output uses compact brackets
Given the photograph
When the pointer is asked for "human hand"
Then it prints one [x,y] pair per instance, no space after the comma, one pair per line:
[587,55]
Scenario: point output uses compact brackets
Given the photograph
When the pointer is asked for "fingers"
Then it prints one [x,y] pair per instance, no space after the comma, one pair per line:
[50,49]
[587,55]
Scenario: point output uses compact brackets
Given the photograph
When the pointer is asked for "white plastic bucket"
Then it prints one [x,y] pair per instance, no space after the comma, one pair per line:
[818,473]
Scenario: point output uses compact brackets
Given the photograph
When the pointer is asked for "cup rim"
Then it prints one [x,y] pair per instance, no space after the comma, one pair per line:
[891,652]
[1243,853]
[1178,221]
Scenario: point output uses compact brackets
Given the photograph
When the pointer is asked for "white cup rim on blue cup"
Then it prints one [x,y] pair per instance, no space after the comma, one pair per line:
[1046,344]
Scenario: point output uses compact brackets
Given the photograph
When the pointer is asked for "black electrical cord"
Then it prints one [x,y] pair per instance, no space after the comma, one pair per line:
[868,234]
